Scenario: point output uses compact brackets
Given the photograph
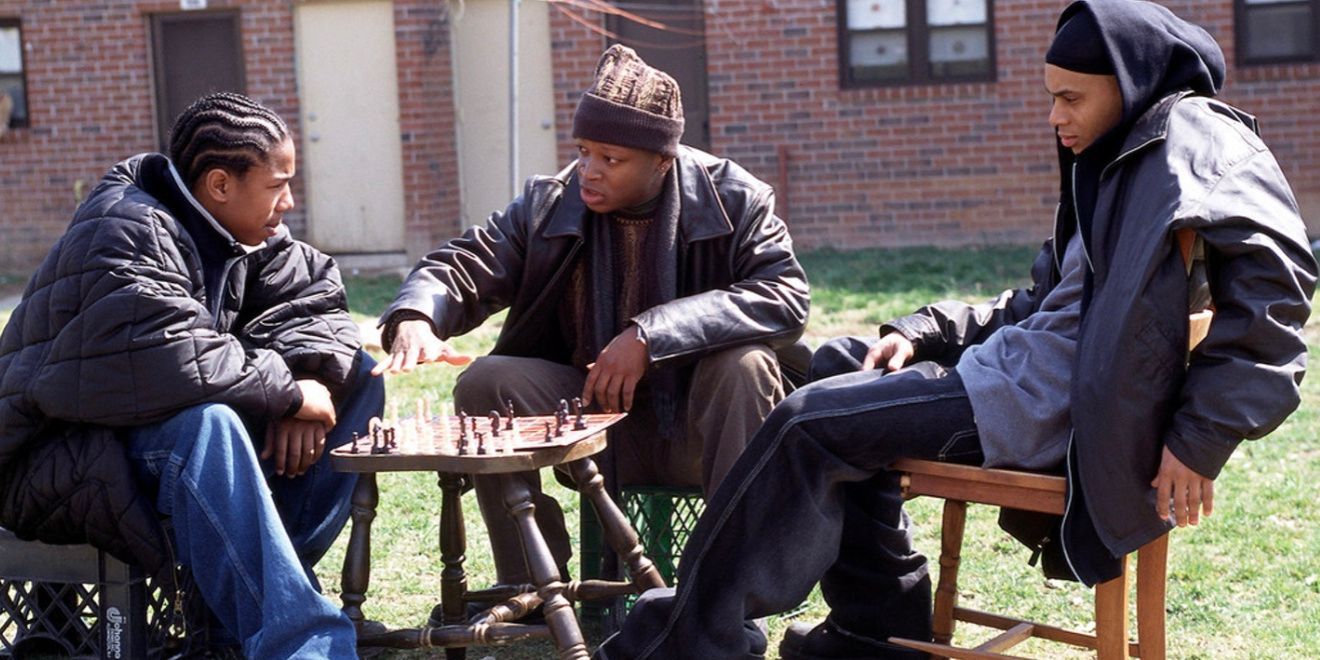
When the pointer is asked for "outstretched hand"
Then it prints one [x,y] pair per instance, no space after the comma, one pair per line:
[414,344]
[612,378]
[1189,491]
[892,352]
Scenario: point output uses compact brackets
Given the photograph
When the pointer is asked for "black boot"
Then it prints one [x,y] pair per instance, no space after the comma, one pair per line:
[826,641]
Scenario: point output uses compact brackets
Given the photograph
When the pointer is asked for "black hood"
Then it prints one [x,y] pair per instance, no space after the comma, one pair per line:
[1154,52]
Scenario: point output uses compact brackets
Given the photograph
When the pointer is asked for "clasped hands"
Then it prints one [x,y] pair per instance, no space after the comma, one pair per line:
[296,443]
[1179,490]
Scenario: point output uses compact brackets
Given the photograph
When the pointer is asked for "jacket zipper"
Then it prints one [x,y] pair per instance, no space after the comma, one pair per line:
[1054,239]
[1067,507]
[1077,215]
[175,572]
[220,295]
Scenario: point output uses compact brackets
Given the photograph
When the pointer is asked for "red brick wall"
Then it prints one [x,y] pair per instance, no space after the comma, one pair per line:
[935,164]
[426,118]
[90,98]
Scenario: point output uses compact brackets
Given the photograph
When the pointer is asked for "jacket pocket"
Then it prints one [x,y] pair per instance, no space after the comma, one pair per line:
[1157,353]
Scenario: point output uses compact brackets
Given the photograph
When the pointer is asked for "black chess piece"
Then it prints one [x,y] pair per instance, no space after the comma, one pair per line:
[494,423]
[547,431]
[508,410]
[462,427]
[481,444]
[390,444]
[352,448]
[579,423]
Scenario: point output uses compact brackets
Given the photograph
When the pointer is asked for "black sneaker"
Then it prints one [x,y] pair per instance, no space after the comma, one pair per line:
[826,641]
[757,640]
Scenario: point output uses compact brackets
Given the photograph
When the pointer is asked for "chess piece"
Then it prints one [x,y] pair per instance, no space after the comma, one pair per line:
[481,444]
[494,423]
[508,410]
[352,448]
[579,424]
[547,432]
[446,442]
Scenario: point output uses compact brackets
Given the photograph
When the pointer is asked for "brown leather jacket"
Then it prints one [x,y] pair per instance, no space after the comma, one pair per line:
[739,280]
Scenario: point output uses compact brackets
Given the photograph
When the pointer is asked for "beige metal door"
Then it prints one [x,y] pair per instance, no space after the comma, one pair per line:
[481,65]
[351,151]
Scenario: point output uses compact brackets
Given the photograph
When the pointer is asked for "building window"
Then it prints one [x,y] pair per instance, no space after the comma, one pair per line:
[886,42]
[1272,31]
[12,82]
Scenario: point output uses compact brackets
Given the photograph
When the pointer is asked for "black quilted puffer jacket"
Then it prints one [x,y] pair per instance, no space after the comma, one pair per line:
[117,329]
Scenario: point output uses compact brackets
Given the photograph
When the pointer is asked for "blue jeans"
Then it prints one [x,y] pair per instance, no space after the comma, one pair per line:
[812,499]
[251,538]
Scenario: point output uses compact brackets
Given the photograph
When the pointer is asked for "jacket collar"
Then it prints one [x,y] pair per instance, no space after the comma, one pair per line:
[156,175]
[224,235]
[1150,128]
[701,214]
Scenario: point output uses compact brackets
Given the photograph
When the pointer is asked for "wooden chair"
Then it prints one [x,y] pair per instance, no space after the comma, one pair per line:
[960,484]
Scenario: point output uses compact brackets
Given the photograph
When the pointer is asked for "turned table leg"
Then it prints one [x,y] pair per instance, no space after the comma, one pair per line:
[452,609]
[356,575]
[618,533]
[558,611]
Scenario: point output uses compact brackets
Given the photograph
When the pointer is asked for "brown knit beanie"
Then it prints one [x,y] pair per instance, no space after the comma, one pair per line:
[630,104]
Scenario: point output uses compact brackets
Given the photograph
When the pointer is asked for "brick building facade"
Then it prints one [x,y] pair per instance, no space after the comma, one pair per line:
[90,95]
[944,164]
[949,164]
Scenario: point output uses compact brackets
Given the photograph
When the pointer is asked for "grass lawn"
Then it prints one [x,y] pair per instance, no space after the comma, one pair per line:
[1244,584]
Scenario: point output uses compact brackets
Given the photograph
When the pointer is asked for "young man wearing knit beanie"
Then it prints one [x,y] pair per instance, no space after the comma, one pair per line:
[1087,372]
[647,277]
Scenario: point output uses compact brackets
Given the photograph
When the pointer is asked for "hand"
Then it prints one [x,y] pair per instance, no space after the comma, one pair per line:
[1189,491]
[612,378]
[317,406]
[296,445]
[893,351]
[414,344]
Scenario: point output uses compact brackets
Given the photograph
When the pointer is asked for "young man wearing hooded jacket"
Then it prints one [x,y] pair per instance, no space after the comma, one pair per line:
[1086,371]
[179,357]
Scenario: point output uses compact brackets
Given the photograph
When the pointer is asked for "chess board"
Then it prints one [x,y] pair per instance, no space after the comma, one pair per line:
[440,435]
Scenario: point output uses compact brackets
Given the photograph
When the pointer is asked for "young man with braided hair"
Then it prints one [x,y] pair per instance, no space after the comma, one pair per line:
[175,372]
[646,276]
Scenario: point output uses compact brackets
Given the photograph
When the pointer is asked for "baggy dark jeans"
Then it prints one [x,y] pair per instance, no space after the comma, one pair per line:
[812,499]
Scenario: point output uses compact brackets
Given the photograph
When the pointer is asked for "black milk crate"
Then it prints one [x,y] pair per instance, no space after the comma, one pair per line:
[76,601]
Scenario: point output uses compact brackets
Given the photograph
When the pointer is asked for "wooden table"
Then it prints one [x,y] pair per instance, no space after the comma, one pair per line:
[448,626]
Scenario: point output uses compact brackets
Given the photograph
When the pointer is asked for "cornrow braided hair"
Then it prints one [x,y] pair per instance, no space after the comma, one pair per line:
[224,130]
